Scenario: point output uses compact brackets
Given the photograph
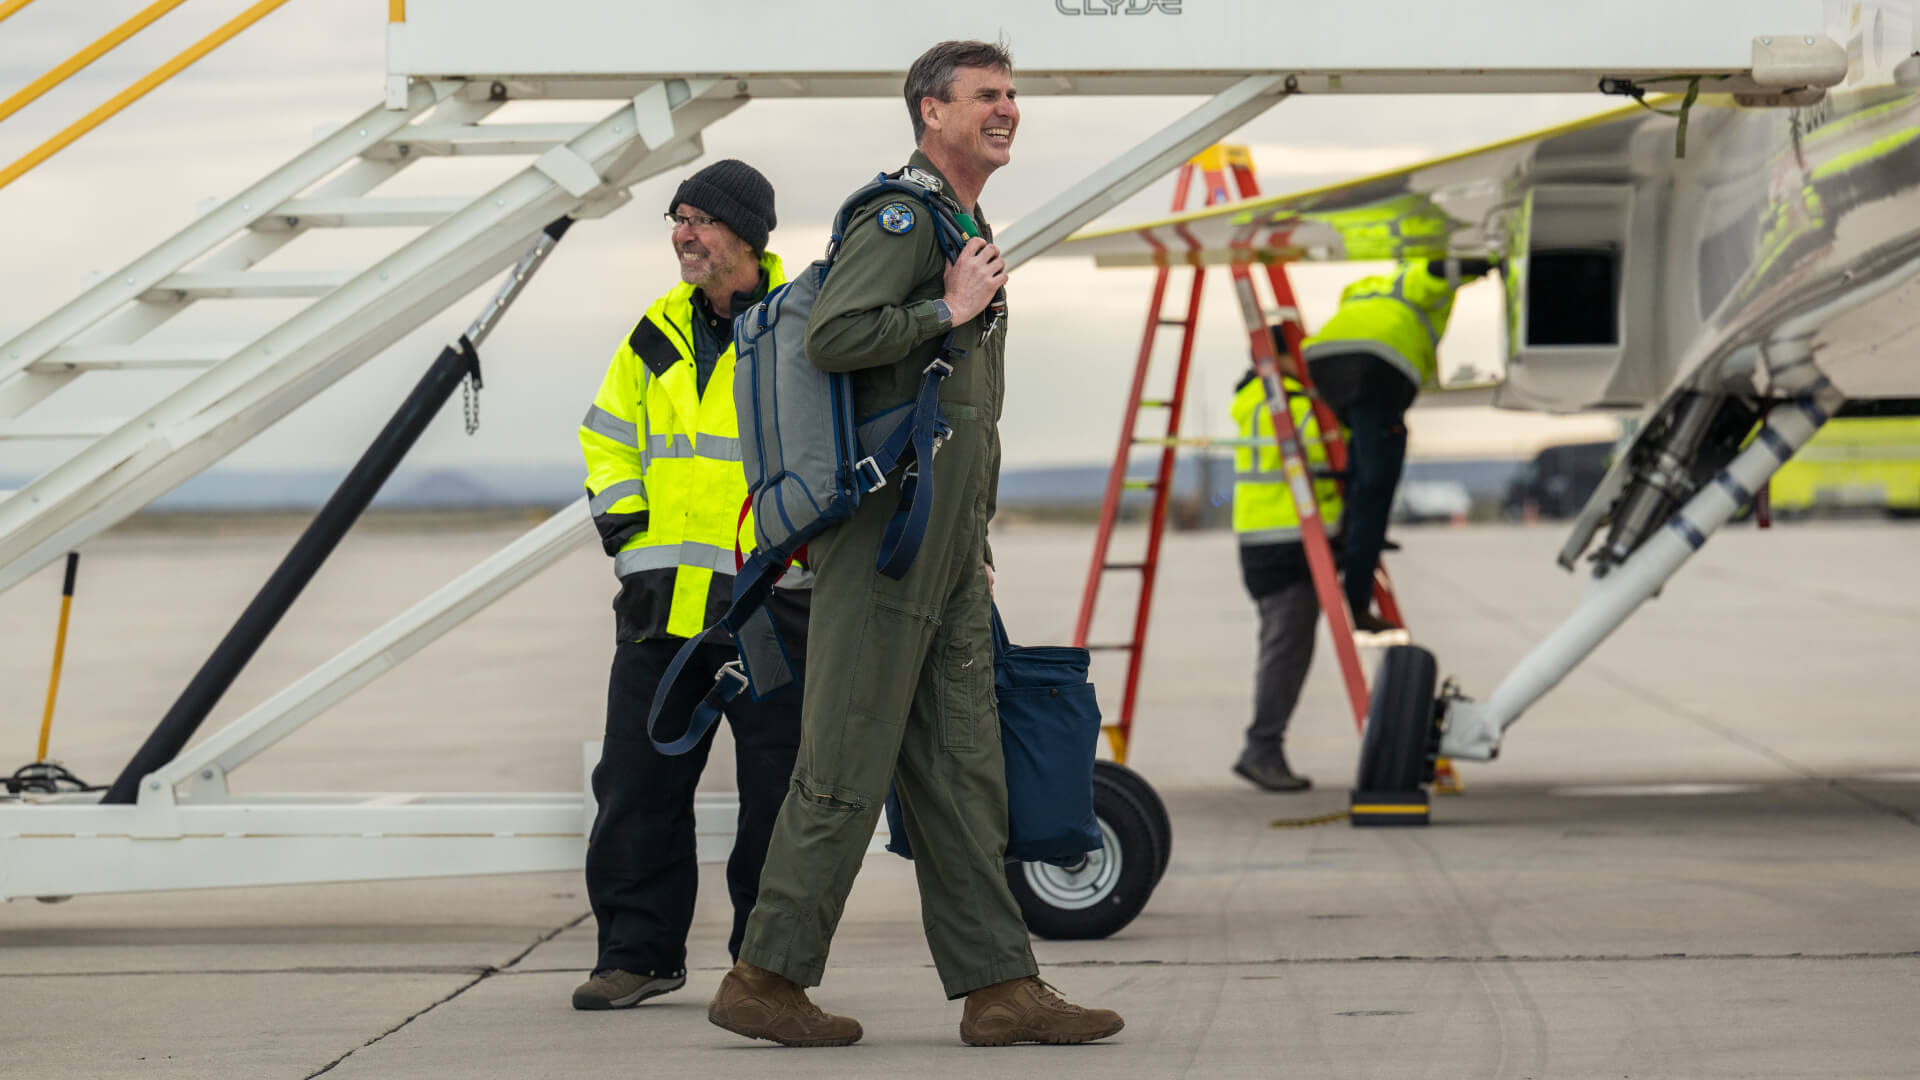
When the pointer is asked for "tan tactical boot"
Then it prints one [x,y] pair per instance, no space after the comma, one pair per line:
[759,1004]
[1029,1010]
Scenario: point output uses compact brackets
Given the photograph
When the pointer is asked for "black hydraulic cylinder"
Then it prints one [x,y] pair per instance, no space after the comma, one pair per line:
[342,509]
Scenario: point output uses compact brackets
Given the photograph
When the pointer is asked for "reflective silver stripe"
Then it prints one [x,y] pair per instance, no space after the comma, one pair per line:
[706,557]
[1270,536]
[669,446]
[1261,476]
[667,556]
[712,447]
[613,493]
[1399,292]
[601,422]
[1369,346]
[637,560]
[718,448]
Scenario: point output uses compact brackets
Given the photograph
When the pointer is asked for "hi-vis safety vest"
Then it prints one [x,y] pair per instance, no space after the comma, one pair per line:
[1398,318]
[1263,507]
[664,477]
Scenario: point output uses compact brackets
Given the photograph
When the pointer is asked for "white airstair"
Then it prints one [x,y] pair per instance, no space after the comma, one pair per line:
[661,88]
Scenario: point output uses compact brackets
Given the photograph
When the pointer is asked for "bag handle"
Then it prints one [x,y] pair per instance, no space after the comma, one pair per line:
[1001,646]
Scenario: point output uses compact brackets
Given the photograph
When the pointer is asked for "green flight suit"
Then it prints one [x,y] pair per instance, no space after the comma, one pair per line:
[900,673]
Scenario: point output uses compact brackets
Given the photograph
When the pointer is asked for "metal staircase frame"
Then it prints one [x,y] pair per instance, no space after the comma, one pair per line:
[204,836]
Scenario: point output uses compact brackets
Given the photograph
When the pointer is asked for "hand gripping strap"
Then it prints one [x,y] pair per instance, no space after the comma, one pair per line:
[750,627]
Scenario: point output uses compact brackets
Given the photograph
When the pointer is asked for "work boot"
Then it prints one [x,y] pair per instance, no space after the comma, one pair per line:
[611,988]
[1367,622]
[760,1004]
[1271,772]
[1029,1010]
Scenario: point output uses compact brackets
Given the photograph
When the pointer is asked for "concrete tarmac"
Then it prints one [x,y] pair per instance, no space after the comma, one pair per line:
[1696,858]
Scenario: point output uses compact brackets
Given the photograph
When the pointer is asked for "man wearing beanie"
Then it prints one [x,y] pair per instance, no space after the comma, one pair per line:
[665,486]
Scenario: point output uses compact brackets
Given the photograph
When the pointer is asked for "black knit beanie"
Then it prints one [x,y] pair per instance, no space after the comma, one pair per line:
[736,194]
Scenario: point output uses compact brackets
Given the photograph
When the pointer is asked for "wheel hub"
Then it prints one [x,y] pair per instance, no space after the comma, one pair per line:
[1086,883]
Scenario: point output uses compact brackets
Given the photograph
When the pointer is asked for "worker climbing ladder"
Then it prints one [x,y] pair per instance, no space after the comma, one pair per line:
[1215,167]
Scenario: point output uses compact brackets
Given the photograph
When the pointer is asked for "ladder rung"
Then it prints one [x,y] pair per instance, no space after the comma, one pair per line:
[247,285]
[1156,403]
[141,356]
[1123,566]
[350,213]
[1116,647]
[1164,321]
[60,427]
[446,139]
[1139,485]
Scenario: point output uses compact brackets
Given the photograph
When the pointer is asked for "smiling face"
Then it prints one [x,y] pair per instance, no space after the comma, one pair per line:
[977,124]
[709,254]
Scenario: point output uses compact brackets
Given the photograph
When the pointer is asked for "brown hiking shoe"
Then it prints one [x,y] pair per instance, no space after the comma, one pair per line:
[611,988]
[759,1004]
[1029,1010]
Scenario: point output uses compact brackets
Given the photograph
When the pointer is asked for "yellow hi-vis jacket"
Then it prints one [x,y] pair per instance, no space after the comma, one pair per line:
[1398,318]
[1263,506]
[665,482]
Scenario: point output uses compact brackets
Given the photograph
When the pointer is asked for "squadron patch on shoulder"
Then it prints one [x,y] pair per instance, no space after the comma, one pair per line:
[896,218]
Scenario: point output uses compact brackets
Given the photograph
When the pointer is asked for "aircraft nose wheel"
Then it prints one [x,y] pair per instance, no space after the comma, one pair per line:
[1103,892]
[1402,737]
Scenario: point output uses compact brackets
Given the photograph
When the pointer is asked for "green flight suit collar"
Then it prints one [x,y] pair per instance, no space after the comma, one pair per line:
[925,164]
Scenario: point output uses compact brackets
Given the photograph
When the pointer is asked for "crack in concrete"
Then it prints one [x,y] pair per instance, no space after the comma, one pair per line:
[483,976]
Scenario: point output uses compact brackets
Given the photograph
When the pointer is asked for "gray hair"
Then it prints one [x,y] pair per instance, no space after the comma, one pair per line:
[932,75]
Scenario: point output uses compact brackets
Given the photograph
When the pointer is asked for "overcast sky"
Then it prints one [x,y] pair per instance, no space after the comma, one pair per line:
[314,64]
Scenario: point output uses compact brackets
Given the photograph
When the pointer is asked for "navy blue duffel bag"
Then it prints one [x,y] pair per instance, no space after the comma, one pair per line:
[1049,730]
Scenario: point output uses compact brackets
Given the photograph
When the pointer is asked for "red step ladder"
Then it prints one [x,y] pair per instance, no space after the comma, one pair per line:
[1214,166]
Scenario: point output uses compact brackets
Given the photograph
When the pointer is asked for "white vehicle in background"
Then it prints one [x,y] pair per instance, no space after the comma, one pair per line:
[1418,501]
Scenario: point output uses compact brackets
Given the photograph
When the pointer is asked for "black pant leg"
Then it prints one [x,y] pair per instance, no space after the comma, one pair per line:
[642,873]
[1376,453]
[766,739]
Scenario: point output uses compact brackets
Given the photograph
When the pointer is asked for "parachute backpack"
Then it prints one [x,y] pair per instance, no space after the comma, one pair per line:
[809,461]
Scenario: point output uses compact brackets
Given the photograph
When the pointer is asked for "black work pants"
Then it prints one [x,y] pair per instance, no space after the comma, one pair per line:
[1376,454]
[641,868]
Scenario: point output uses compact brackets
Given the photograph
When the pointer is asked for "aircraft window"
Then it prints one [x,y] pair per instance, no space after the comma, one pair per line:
[1572,298]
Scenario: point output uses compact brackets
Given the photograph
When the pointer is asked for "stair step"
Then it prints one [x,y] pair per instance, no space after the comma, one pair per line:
[59,427]
[1113,647]
[140,357]
[358,213]
[461,139]
[247,285]
[1124,566]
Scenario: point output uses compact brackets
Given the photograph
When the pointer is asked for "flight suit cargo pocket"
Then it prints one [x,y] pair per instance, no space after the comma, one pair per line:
[894,640]
[967,674]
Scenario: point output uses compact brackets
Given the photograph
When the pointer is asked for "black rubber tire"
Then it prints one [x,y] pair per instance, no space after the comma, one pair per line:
[1149,800]
[1056,911]
[1396,753]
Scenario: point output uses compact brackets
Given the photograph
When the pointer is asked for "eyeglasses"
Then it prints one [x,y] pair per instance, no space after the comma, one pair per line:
[691,221]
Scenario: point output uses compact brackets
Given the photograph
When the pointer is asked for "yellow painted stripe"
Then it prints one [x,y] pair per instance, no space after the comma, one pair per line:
[1389,808]
[10,6]
[1873,151]
[138,90]
[1117,742]
[32,91]
[1272,201]
[396,10]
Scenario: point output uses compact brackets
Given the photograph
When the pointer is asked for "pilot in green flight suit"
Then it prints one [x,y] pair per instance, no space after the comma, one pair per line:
[899,684]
